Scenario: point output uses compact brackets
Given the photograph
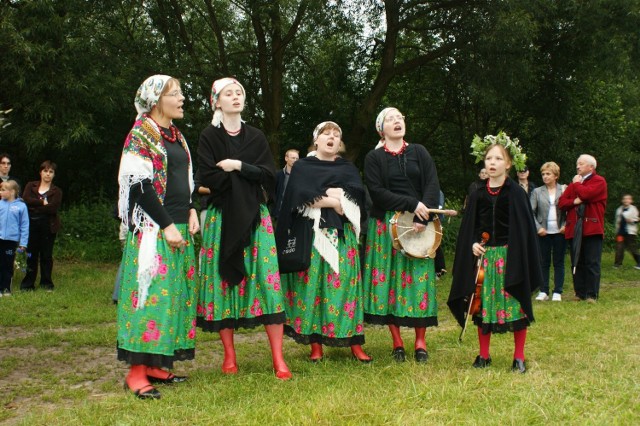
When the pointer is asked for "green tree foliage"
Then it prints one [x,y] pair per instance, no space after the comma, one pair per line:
[560,75]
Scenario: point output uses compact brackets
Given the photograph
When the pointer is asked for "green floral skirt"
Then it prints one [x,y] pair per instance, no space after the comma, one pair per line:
[164,330]
[324,306]
[398,290]
[258,299]
[500,312]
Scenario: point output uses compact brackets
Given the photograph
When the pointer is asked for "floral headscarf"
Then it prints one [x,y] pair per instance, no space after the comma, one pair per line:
[216,88]
[144,157]
[148,93]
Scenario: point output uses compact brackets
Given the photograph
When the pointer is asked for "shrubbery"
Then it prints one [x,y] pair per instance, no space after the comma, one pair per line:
[89,233]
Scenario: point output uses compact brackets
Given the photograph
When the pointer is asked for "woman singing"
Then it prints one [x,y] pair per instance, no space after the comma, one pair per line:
[398,290]
[511,256]
[156,309]
[239,265]
[324,301]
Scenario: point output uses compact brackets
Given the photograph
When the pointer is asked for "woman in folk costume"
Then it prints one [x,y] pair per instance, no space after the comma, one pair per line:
[399,291]
[239,264]
[511,259]
[325,300]
[156,313]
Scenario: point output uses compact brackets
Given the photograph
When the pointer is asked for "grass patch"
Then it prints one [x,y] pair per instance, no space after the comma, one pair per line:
[58,367]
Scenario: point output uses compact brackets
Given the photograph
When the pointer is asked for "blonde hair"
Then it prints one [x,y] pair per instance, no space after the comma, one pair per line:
[552,167]
[12,185]
[505,152]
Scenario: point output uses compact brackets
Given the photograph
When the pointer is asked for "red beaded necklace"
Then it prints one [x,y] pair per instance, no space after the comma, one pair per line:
[233,133]
[492,192]
[399,152]
[174,131]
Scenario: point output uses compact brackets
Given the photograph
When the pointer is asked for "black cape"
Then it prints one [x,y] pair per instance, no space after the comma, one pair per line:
[309,180]
[523,274]
[237,197]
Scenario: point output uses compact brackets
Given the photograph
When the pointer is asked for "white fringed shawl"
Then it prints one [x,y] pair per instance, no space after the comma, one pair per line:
[145,157]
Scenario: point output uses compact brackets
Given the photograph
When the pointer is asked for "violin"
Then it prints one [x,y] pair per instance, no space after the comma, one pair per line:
[476,297]
[476,300]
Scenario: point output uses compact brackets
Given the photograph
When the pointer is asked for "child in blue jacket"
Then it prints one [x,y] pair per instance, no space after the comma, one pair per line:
[14,231]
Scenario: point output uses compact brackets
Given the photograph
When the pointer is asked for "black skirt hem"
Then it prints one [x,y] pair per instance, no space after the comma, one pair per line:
[337,342]
[512,326]
[155,360]
[237,323]
[401,321]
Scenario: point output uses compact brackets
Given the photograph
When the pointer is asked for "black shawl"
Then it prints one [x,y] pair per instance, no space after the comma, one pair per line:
[237,197]
[377,178]
[309,180]
[523,274]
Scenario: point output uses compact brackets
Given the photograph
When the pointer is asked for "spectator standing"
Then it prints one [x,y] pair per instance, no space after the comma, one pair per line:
[43,200]
[626,231]
[479,183]
[585,200]
[5,168]
[282,178]
[14,231]
[524,182]
[550,226]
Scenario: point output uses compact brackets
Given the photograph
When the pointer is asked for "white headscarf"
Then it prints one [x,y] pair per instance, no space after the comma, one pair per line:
[320,128]
[380,124]
[216,88]
[148,93]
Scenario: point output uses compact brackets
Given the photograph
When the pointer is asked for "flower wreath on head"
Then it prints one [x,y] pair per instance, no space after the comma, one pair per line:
[479,148]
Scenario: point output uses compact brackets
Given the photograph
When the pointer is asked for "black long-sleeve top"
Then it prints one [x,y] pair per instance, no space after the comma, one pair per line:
[400,182]
[177,196]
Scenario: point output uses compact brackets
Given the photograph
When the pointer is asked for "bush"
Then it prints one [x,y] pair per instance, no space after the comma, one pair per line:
[89,233]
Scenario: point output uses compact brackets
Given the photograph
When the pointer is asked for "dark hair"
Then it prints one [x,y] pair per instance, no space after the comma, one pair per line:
[4,155]
[48,164]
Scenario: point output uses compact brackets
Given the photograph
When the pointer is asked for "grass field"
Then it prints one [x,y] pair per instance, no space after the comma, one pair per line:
[58,367]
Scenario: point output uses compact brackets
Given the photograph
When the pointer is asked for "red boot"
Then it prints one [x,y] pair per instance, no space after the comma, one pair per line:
[275,333]
[360,355]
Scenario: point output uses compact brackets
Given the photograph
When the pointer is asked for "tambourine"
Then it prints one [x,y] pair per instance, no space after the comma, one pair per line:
[419,245]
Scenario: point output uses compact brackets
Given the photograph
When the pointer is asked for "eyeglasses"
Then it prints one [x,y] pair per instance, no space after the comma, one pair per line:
[393,118]
[5,163]
[174,93]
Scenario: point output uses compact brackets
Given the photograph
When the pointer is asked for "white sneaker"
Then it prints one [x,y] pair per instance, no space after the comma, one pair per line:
[542,296]
[557,297]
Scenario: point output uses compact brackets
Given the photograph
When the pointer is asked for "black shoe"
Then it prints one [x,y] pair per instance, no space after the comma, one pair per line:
[150,393]
[421,355]
[399,354]
[519,366]
[481,362]
[171,379]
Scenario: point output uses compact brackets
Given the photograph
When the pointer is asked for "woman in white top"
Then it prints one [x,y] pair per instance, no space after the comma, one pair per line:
[550,223]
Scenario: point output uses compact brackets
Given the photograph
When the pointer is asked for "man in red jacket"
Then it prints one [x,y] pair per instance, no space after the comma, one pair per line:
[585,200]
